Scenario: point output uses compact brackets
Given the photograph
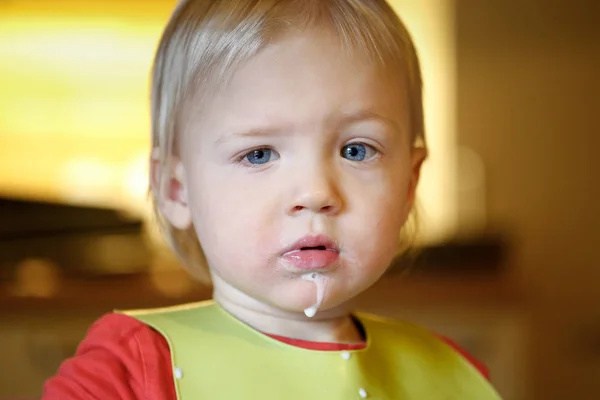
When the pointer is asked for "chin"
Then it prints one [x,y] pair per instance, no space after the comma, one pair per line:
[331,300]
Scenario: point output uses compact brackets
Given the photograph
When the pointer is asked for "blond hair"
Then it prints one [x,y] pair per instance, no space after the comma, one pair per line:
[206,40]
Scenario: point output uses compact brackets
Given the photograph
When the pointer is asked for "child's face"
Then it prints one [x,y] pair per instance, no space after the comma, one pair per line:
[301,143]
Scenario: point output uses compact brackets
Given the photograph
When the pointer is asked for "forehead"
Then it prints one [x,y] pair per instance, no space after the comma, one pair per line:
[303,79]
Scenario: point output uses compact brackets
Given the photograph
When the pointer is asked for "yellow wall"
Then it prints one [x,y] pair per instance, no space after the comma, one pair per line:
[73,106]
[431,23]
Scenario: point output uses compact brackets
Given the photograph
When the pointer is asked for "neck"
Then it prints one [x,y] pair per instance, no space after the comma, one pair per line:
[333,325]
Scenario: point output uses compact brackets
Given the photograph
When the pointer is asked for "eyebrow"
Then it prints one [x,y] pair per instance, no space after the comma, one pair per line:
[349,118]
[337,121]
[256,132]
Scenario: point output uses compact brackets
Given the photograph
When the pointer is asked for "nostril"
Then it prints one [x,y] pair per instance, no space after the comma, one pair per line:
[317,208]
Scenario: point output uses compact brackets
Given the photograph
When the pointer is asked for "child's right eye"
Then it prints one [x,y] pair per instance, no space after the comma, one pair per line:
[260,156]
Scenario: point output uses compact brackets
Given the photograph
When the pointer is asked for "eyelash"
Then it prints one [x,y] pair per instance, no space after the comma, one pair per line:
[376,152]
[241,159]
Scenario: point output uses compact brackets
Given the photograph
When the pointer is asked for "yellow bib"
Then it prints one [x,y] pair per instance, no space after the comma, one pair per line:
[215,356]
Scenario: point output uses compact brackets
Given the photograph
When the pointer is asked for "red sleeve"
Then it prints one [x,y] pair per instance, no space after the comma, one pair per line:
[121,358]
[477,364]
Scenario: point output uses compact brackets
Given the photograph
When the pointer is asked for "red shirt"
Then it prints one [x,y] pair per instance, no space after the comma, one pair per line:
[122,358]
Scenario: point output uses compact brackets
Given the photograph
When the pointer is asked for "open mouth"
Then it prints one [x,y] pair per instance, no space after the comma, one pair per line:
[313,243]
[314,248]
[312,252]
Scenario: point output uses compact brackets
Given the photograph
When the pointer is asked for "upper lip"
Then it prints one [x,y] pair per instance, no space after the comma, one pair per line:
[312,241]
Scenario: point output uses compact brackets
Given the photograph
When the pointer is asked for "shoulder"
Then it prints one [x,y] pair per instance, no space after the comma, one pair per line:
[178,318]
[115,329]
[419,336]
[178,312]
[120,358]
[478,365]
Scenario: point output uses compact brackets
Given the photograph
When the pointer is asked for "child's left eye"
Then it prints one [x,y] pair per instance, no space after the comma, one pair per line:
[260,156]
[358,152]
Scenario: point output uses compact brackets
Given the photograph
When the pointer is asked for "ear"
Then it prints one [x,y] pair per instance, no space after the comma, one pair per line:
[418,156]
[168,185]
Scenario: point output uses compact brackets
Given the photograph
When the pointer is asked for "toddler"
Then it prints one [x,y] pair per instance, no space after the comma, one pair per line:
[287,140]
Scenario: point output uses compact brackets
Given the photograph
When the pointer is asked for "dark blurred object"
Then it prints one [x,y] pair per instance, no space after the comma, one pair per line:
[485,255]
[79,241]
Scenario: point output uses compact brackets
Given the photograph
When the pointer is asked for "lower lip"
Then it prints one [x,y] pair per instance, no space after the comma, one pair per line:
[311,259]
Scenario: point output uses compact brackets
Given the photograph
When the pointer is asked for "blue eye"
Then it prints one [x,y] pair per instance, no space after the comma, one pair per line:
[358,152]
[259,156]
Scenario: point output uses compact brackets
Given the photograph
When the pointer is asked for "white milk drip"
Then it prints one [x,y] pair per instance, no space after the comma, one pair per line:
[320,281]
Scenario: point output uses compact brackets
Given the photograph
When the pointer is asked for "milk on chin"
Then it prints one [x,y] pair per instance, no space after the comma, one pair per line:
[320,281]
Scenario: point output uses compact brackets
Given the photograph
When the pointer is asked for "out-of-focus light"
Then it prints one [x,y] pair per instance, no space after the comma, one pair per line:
[36,278]
[86,180]
[431,23]
[135,184]
[74,98]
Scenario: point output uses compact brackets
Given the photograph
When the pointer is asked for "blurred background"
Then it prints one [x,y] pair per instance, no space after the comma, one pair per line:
[508,267]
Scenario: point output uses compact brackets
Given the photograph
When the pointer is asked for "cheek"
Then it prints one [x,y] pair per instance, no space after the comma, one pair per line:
[384,212]
[231,216]
[385,225]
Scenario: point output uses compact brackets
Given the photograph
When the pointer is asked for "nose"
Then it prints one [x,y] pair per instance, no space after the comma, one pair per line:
[316,191]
